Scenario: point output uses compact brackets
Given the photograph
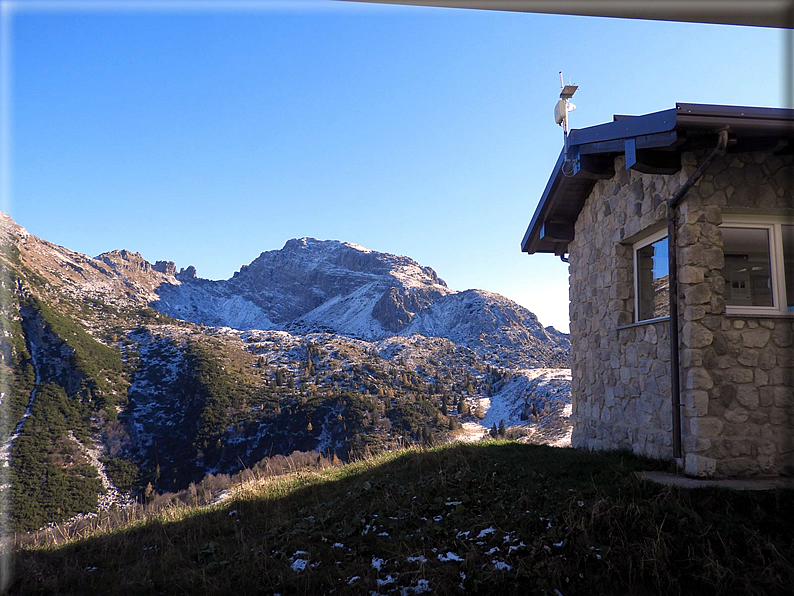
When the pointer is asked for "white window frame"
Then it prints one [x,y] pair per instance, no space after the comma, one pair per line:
[773,224]
[650,239]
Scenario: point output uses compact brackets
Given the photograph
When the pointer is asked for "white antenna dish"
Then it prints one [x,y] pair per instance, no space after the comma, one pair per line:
[561,110]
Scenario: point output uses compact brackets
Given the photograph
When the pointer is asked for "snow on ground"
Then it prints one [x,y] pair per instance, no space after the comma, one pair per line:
[5,449]
[349,314]
[113,496]
[472,432]
[564,439]
[546,392]
[541,387]
[211,305]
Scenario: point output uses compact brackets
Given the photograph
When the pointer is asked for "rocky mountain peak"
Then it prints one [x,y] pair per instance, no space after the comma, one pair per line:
[125,260]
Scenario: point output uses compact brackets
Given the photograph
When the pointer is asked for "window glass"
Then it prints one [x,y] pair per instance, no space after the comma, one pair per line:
[747,269]
[788,264]
[653,287]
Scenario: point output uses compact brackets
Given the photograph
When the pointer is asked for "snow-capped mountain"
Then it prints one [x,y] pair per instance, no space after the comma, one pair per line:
[324,285]
[312,284]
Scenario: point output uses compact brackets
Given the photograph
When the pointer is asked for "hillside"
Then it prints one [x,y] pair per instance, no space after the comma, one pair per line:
[126,378]
[494,518]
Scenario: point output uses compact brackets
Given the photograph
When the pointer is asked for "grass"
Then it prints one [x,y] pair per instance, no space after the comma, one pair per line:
[497,517]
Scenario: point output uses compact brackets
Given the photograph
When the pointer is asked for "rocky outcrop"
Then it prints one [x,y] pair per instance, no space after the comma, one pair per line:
[167,267]
[494,326]
[397,307]
[186,273]
[125,260]
[307,286]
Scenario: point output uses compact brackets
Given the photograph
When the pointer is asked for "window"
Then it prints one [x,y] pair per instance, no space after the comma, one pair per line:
[759,265]
[651,278]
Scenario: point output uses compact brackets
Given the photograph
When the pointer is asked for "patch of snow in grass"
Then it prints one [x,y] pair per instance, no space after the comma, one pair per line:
[422,586]
[450,556]
[385,582]
[486,531]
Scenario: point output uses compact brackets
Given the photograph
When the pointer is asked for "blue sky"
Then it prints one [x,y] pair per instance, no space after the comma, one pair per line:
[208,136]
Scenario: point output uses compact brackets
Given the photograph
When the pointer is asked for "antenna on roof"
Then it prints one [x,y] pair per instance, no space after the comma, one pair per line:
[562,108]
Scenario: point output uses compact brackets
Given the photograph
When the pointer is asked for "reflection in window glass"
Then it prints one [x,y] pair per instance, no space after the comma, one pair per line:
[747,270]
[788,264]
[653,287]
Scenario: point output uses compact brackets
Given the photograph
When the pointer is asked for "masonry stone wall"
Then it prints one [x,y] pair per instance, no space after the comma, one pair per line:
[737,373]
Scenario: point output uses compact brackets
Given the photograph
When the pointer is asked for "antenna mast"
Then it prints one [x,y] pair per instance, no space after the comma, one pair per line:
[562,108]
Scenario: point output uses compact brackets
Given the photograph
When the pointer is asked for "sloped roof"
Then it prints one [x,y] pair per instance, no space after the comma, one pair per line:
[759,13]
[652,143]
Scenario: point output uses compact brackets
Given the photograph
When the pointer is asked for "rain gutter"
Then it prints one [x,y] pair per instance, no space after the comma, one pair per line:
[675,370]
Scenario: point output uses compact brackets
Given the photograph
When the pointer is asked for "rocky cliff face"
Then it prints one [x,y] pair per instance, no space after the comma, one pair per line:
[307,273]
[313,285]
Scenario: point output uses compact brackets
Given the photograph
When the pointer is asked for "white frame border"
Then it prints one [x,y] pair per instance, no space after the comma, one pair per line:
[773,224]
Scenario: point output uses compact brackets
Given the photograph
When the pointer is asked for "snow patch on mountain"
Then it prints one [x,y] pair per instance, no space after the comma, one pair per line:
[210,305]
[347,315]
[546,388]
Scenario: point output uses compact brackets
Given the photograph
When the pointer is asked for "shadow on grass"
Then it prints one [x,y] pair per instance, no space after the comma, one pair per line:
[486,518]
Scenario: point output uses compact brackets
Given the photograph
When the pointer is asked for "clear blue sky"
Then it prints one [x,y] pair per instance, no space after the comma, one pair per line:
[206,137]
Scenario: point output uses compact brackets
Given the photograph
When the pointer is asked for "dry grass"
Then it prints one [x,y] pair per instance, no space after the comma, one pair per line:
[517,519]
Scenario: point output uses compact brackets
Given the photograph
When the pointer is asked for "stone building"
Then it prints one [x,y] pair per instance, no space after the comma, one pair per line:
[716,183]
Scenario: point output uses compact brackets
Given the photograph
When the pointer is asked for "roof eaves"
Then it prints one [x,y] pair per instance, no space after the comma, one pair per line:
[658,129]
[544,204]
[625,127]
[621,128]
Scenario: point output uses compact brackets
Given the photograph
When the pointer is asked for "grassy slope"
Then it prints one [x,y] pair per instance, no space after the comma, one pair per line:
[579,522]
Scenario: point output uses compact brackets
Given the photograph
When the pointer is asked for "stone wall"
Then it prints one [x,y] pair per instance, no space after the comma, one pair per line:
[620,373]
[736,372]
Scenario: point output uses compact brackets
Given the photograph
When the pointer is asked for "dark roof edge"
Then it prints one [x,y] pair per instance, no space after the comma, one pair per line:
[543,204]
[625,127]
[721,111]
